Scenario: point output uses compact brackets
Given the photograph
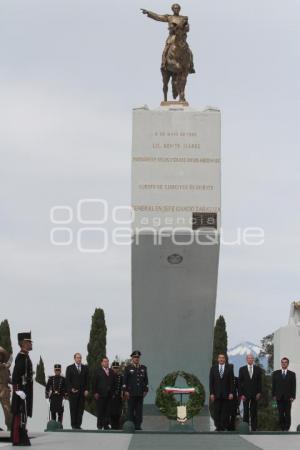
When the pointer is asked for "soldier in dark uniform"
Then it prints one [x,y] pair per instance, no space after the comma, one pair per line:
[56,393]
[135,387]
[22,399]
[116,397]
[234,410]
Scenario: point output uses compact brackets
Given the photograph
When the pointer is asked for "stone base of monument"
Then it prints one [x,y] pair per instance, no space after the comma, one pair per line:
[154,421]
[174,103]
[176,184]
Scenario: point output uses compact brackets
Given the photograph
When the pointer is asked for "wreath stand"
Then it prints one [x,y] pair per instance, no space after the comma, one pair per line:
[180,412]
[182,419]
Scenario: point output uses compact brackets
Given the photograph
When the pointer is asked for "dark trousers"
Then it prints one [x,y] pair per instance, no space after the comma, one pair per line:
[135,411]
[103,412]
[116,413]
[56,408]
[233,412]
[76,409]
[221,414]
[250,410]
[58,417]
[284,411]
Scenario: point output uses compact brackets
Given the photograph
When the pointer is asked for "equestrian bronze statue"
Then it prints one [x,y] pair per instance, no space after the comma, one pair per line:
[177,58]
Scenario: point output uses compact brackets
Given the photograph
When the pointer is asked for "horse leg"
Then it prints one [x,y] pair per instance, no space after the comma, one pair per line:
[166,78]
[182,84]
[175,90]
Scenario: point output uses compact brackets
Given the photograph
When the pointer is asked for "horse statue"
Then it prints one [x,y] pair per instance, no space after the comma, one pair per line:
[177,63]
[177,58]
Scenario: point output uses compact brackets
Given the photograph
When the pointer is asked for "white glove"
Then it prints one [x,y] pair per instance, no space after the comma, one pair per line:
[21,394]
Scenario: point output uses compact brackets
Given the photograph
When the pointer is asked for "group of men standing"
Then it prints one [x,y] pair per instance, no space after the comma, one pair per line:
[109,386]
[226,392]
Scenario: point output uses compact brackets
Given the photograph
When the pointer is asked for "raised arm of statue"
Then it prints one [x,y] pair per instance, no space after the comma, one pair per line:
[154,16]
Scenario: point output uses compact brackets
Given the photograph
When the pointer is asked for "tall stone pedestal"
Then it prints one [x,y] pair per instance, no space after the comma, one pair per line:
[287,343]
[176,200]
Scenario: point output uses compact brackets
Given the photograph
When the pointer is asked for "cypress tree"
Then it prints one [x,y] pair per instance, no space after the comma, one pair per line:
[267,411]
[97,343]
[96,350]
[5,340]
[267,344]
[220,339]
[40,376]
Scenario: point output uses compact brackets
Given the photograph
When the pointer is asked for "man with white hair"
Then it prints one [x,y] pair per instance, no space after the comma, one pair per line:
[250,387]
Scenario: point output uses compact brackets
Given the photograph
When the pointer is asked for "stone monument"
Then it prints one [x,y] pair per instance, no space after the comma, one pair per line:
[287,343]
[176,200]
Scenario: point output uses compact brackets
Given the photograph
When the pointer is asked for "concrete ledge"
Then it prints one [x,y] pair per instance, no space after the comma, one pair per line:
[213,433]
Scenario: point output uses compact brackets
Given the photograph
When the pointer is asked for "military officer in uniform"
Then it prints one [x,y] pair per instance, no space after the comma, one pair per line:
[5,363]
[116,397]
[135,388]
[56,393]
[22,399]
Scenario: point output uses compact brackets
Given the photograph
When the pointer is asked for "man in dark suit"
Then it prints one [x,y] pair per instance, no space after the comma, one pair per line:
[284,392]
[103,388]
[250,387]
[77,380]
[221,386]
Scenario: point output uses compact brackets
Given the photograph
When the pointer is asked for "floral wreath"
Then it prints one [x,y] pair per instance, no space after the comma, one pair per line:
[167,403]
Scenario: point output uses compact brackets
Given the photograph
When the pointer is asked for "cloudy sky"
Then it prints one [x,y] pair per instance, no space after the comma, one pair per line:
[71,72]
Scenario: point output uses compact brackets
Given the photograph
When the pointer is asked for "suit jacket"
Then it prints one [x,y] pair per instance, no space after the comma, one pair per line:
[283,388]
[76,380]
[250,387]
[221,387]
[104,384]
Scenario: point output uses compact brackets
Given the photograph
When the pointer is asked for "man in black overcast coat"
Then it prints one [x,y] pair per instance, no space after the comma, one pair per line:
[284,392]
[250,387]
[103,388]
[77,381]
[221,386]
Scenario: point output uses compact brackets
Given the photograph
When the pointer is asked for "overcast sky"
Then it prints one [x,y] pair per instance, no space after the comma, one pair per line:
[71,72]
